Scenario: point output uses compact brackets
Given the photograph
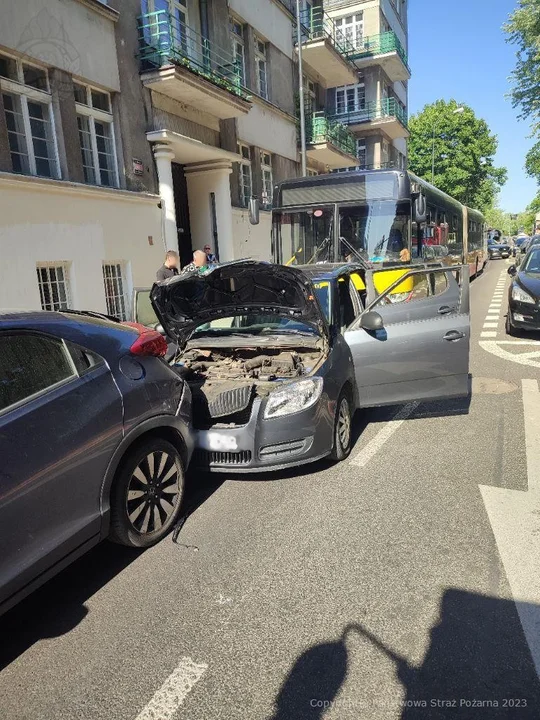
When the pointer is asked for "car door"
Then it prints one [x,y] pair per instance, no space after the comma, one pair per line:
[422,350]
[60,420]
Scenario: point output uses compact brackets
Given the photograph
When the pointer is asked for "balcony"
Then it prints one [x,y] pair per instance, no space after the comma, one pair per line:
[388,116]
[326,49]
[384,50]
[178,62]
[329,142]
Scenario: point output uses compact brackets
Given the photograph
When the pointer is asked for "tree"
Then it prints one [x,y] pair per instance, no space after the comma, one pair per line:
[523,29]
[464,153]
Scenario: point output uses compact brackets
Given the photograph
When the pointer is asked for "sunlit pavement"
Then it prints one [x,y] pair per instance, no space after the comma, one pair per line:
[400,584]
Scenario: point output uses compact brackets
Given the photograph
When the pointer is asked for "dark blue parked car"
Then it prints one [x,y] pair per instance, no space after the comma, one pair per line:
[95,435]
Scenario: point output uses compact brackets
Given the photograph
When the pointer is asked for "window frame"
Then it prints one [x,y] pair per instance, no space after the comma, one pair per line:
[65,266]
[261,61]
[266,173]
[50,388]
[351,27]
[359,100]
[245,163]
[238,42]
[92,115]
[114,299]
[26,93]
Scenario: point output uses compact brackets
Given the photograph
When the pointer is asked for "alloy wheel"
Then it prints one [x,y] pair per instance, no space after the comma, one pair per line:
[344,424]
[153,492]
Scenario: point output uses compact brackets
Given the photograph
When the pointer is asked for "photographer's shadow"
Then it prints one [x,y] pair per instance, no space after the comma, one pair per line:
[478,658]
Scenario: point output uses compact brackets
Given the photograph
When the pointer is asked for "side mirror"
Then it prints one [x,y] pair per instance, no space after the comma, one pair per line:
[371,321]
[512,270]
[420,209]
[253,211]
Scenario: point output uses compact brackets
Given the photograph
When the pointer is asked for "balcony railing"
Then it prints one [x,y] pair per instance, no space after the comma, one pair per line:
[388,108]
[317,25]
[165,40]
[321,129]
[380,45]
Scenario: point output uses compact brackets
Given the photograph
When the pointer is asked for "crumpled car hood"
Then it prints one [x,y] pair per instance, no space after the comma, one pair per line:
[238,288]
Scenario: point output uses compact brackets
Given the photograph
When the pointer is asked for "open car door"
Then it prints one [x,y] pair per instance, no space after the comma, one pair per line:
[416,349]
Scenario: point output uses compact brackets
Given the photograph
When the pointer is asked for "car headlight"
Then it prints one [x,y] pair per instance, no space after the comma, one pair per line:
[521,296]
[294,398]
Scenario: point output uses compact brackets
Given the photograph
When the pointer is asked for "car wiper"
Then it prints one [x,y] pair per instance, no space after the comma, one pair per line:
[91,313]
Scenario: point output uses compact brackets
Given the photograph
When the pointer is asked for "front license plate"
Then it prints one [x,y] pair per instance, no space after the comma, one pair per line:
[219,441]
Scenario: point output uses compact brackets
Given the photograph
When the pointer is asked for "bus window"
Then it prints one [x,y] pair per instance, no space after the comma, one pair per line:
[305,237]
[379,230]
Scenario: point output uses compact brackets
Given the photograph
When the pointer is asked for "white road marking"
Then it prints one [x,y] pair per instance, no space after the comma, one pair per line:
[488,333]
[519,342]
[491,324]
[495,349]
[174,691]
[514,518]
[384,434]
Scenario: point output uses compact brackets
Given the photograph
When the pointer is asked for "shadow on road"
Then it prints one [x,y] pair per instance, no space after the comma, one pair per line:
[59,606]
[477,658]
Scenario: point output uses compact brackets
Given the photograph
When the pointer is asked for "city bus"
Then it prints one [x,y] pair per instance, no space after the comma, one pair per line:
[382,218]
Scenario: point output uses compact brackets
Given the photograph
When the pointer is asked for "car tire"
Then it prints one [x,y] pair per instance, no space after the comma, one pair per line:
[342,428]
[146,496]
[510,329]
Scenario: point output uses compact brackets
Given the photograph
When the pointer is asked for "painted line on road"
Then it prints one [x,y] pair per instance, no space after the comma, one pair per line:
[174,691]
[384,434]
[491,325]
[531,409]
[488,334]
[494,347]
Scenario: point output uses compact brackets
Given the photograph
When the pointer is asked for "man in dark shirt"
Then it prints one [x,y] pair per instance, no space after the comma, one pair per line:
[169,268]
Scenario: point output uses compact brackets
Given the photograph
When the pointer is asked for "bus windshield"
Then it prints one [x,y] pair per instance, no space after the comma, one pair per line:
[379,231]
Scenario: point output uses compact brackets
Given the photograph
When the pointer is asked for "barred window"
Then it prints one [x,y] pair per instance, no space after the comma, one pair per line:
[54,290]
[115,294]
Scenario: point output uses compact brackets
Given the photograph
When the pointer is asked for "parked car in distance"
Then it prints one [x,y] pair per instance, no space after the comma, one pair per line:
[95,436]
[278,358]
[524,293]
[519,243]
[498,250]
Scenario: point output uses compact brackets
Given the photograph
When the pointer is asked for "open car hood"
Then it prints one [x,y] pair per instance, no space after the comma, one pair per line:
[238,288]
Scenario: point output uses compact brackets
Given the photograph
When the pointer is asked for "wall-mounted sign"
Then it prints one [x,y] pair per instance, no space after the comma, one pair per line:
[138,167]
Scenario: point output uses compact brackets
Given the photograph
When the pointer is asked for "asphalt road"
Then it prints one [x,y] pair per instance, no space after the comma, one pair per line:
[400,584]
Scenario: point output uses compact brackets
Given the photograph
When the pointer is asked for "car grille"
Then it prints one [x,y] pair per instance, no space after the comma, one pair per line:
[283,449]
[208,458]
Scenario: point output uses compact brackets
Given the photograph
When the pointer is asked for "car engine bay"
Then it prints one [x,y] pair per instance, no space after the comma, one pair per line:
[225,381]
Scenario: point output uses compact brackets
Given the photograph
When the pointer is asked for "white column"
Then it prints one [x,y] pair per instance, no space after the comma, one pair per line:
[202,180]
[164,156]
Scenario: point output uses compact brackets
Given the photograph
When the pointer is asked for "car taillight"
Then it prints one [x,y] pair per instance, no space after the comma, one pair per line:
[149,342]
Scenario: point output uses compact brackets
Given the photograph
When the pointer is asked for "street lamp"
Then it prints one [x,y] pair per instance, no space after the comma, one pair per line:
[457,111]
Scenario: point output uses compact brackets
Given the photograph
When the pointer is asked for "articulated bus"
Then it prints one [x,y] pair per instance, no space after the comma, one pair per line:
[382,218]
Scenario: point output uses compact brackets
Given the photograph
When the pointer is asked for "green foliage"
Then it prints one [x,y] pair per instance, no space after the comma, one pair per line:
[523,29]
[532,162]
[513,224]
[464,153]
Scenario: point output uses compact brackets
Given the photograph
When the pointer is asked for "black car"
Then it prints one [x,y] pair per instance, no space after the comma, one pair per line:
[498,250]
[278,358]
[95,435]
[521,244]
[524,294]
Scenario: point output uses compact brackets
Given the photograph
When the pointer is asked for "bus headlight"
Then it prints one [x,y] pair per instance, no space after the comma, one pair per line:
[294,398]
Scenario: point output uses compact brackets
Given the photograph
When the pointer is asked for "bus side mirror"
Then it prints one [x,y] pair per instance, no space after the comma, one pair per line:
[253,211]
[420,209]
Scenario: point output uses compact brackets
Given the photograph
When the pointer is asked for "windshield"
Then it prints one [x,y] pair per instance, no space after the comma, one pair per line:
[306,236]
[533,262]
[379,231]
[252,325]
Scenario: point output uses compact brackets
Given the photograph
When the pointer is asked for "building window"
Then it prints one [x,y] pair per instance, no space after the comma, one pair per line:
[53,281]
[352,27]
[385,152]
[361,152]
[29,119]
[351,98]
[310,95]
[312,173]
[261,68]
[245,178]
[238,50]
[115,295]
[96,136]
[267,181]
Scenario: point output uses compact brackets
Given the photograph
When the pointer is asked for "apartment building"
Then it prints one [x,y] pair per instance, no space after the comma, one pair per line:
[78,228]
[372,36]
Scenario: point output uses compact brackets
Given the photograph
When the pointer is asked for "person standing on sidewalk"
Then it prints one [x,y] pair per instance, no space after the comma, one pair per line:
[169,268]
